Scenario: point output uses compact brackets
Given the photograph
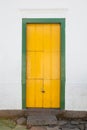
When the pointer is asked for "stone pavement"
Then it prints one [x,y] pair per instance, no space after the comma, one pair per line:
[62,124]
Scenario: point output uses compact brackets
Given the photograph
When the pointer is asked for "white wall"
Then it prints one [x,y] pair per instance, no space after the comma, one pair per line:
[11,13]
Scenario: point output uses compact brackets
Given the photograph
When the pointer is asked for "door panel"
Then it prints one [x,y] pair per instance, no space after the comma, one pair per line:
[34,37]
[34,65]
[33,93]
[30,34]
[51,97]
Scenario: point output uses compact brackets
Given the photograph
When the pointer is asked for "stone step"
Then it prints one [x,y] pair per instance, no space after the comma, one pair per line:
[39,120]
[46,111]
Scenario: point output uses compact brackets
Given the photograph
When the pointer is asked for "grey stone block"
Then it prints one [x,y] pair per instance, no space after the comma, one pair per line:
[70,129]
[70,126]
[75,122]
[53,128]
[86,125]
[19,127]
[21,121]
[38,128]
[81,126]
[62,122]
[38,120]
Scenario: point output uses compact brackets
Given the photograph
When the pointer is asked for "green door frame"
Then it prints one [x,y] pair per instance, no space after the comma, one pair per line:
[61,21]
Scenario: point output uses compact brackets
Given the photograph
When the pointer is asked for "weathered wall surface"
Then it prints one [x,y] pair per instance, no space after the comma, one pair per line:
[11,13]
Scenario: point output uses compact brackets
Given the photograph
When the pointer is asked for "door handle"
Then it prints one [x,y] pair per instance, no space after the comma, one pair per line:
[43,91]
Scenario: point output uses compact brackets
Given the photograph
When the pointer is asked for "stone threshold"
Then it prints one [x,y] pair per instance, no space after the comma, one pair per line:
[62,114]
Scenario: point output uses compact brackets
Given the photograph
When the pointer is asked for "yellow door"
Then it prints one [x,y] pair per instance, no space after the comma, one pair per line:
[43,65]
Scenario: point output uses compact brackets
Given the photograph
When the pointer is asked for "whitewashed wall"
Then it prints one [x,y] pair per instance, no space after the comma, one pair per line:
[11,13]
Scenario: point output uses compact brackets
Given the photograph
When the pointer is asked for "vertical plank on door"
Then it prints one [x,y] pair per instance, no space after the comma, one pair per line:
[55,93]
[38,93]
[30,37]
[30,93]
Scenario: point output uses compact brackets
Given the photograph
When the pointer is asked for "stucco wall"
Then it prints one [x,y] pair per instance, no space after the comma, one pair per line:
[11,13]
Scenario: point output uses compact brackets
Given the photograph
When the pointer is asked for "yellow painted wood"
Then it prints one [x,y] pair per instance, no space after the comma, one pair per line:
[47,65]
[47,37]
[47,94]
[33,93]
[55,65]
[30,37]
[34,36]
[55,93]
[43,65]
[39,36]
[38,65]
[38,93]
[34,65]
[51,97]
[55,37]
[30,93]
[30,73]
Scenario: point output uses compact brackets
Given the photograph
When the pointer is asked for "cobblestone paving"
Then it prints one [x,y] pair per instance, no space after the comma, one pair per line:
[61,125]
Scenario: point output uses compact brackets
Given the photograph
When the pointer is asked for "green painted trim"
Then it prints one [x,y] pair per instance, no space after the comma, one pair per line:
[62,102]
[23,65]
[62,62]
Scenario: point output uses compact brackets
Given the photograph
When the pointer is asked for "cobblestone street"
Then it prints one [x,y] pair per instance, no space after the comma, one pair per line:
[7,124]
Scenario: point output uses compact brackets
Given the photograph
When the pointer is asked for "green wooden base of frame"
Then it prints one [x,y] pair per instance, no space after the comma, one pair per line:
[61,21]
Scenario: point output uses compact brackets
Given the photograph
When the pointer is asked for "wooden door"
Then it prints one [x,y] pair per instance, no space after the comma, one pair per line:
[43,65]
